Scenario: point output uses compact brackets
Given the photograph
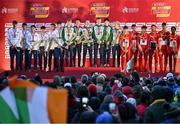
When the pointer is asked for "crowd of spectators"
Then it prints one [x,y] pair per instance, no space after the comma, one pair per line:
[121,98]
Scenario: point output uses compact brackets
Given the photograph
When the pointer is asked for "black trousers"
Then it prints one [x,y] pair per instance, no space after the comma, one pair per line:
[73,56]
[95,53]
[58,57]
[116,52]
[27,59]
[50,55]
[12,54]
[34,54]
[69,52]
[18,58]
[108,54]
[85,49]
[78,51]
[102,53]
[22,58]
[42,55]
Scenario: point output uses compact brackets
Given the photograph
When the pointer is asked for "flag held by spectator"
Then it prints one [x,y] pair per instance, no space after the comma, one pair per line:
[24,102]
[129,64]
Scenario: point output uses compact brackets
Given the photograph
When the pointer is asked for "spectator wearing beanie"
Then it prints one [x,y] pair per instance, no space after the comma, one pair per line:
[128,113]
[108,99]
[74,84]
[66,79]
[112,79]
[149,84]
[106,85]
[127,90]
[93,79]
[134,78]
[100,80]
[171,82]
[84,78]
[131,101]
[57,80]
[73,79]
[82,92]
[92,90]
[144,103]
[114,88]
[119,97]
[71,102]
[37,79]
[105,104]
[125,81]
[137,91]
[155,112]
[104,76]
[117,86]
[107,89]
[105,117]
[94,103]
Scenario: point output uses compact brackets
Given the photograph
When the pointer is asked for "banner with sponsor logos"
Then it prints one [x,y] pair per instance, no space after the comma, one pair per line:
[43,12]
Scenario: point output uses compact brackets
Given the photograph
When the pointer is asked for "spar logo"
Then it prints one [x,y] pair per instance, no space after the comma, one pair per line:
[68,10]
[129,10]
[6,10]
[161,9]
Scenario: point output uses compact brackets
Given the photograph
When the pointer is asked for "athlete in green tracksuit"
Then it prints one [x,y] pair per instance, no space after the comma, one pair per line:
[98,37]
[108,40]
[68,37]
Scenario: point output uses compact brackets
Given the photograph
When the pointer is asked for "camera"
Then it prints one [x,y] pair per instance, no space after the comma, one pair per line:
[84,102]
[112,107]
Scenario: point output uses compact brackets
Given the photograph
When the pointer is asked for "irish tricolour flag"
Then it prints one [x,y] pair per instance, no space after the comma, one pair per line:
[129,64]
[24,102]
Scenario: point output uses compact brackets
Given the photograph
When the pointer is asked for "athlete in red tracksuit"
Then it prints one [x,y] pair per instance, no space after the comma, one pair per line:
[125,44]
[134,50]
[163,47]
[143,49]
[173,48]
[153,51]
